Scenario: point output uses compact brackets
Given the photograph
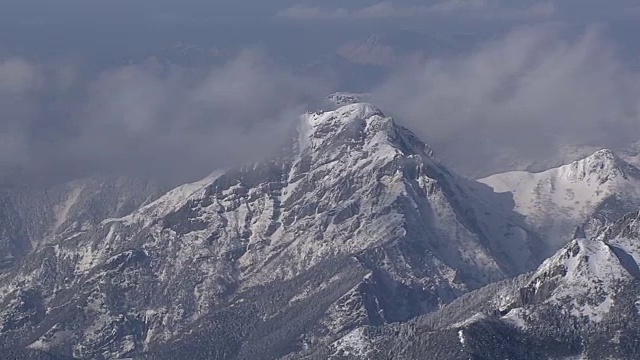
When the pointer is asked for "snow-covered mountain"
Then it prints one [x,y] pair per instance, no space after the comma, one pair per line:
[355,224]
[555,202]
[554,157]
[581,303]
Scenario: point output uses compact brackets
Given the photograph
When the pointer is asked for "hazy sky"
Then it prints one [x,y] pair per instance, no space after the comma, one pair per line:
[29,9]
[175,89]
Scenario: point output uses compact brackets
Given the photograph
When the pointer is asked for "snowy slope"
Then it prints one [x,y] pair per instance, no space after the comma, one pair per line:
[555,202]
[584,276]
[355,224]
[581,303]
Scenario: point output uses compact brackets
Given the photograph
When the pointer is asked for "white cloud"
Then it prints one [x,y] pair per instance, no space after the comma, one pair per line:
[19,80]
[387,9]
[307,12]
[631,10]
[528,94]
[460,5]
[18,76]
[152,119]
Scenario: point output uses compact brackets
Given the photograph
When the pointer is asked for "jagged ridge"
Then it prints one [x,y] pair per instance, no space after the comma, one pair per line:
[357,223]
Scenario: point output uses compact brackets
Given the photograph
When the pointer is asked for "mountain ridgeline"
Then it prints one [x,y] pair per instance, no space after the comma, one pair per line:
[355,242]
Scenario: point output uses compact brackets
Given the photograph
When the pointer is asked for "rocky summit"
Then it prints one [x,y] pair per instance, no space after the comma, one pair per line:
[355,224]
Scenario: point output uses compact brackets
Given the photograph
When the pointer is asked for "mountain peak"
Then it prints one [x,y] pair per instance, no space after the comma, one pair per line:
[603,154]
[358,126]
[589,264]
[345,113]
[358,223]
[603,165]
[603,159]
[558,200]
[583,276]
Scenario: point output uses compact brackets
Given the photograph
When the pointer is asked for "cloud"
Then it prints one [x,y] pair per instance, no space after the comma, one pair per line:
[18,82]
[525,96]
[17,76]
[386,9]
[306,12]
[458,5]
[150,119]
[631,10]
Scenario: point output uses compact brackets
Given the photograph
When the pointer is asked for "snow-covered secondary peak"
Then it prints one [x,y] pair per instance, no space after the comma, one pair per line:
[581,303]
[585,261]
[597,169]
[586,275]
[602,166]
[557,201]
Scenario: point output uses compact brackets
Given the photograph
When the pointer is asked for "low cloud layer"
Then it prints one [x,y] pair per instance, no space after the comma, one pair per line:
[477,8]
[517,99]
[148,119]
[523,97]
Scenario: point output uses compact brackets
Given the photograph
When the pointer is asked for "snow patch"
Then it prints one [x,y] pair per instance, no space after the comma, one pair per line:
[354,343]
[461,337]
[475,318]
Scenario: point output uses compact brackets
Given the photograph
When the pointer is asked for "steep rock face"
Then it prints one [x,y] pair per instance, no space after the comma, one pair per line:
[357,224]
[583,302]
[587,193]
